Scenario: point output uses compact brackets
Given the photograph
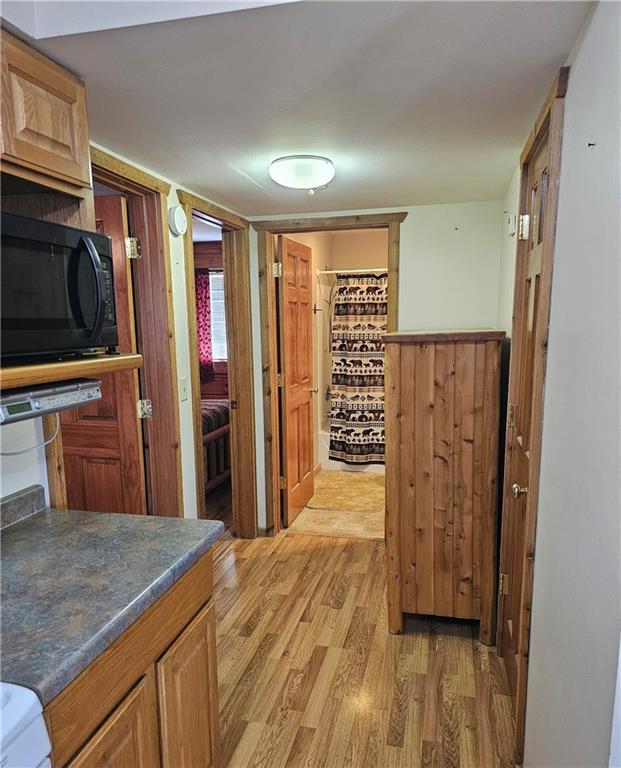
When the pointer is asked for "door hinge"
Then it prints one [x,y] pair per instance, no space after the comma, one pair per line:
[144,409]
[280,379]
[277,269]
[283,483]
[523,226]
[511,415]
[503,584]
[133,249]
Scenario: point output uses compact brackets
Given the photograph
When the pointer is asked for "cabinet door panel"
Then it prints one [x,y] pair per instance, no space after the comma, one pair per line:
[188,696]
[44,123]
[129,737]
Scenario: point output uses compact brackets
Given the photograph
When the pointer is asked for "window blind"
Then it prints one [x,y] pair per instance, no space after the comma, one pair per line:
[218,317]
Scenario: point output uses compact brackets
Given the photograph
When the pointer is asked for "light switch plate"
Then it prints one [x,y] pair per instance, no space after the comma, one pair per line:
[183,388]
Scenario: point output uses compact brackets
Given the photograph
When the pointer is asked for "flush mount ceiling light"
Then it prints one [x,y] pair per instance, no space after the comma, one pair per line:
[309,172]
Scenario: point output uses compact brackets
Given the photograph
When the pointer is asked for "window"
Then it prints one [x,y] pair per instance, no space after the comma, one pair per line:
[218,318]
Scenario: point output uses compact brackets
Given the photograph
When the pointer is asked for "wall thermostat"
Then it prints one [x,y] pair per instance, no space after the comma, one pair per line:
[177,220]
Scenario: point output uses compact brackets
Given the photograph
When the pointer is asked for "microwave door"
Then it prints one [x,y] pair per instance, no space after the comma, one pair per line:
[100,287]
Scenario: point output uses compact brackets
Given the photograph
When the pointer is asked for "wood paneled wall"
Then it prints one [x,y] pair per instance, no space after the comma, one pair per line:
[442,426]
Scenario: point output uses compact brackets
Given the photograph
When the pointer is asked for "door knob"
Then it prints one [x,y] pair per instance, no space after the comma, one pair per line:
[517,491]
[313,389]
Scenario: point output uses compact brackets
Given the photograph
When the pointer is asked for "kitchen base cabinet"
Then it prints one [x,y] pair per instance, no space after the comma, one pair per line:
[186,682]
[150,698]
[129,738]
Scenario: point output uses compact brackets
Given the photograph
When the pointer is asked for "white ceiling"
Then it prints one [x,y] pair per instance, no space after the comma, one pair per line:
[415,102]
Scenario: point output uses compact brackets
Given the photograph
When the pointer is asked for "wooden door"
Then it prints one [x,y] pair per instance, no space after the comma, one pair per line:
[531,310]
[188,696]
[129,738]
[296,345]
[102,442]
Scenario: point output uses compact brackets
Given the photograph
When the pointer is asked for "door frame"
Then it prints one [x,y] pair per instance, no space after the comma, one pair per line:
[236,263]
[266,231]
[550,119]
[148,209]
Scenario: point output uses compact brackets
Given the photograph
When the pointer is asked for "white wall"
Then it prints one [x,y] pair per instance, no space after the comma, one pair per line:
[577,596]
[449,268]
[507,257]
[17,472]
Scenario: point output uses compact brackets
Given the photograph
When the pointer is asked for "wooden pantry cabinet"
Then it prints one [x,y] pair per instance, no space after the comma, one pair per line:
[151,698]
[44,123]
[442,434]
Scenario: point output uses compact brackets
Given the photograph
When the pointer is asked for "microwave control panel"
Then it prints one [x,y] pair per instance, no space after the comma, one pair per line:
[28,403]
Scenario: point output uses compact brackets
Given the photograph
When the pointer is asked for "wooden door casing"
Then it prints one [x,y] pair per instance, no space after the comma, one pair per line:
[540,175]
[296,343]
[129,738]
[188,696]
[102,442]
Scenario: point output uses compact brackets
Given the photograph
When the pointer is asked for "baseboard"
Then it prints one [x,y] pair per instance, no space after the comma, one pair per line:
[317,469]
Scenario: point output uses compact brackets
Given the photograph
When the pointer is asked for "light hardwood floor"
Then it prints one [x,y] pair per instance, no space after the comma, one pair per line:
[309,675]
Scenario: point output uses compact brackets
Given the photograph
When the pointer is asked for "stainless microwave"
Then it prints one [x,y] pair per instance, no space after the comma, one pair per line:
[57,291]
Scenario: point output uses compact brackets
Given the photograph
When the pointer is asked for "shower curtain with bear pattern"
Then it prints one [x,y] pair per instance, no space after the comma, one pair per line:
[357,391]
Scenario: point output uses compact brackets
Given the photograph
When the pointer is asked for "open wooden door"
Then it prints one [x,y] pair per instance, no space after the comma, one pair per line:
[102,442]
[296,345]
[540,164]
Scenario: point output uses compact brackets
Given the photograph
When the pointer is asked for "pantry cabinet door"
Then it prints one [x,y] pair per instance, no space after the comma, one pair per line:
[129,737]
[44,124]
[188,696]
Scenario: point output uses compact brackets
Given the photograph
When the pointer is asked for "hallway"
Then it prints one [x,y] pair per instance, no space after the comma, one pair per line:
[309,676]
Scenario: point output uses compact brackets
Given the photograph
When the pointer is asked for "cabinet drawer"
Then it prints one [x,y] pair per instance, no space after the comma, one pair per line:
[188,696]
[129,737]
[44,124]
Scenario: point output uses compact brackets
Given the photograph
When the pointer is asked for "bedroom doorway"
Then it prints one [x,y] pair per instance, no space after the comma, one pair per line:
[329,291]
[219,330]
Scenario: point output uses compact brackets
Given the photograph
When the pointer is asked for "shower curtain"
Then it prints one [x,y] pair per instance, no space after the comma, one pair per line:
[357,391]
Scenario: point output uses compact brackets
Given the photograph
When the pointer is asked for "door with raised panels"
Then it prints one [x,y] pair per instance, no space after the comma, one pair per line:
[102,442]
[188,696]
[129,738]
[296,345]
[540,165]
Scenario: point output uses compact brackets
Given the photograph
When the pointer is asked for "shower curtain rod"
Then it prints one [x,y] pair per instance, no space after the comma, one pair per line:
[350,271]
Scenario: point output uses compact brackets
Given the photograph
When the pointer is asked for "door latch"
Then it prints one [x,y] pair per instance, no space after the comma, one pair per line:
[144,409]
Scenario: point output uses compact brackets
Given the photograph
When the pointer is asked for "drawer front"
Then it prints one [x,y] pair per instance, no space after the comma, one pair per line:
[44,124]
[129,737]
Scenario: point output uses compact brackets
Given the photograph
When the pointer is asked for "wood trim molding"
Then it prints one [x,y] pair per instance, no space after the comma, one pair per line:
[319,223]
[232,220]
[111,164]
[265,232]
[558,90]
[425,337]
[236,265]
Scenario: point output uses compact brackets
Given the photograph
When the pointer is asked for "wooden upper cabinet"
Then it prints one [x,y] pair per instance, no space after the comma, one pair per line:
[129,737]
[44,124]
[188,696]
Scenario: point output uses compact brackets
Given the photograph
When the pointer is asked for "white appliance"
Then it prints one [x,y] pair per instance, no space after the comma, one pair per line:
[24,742]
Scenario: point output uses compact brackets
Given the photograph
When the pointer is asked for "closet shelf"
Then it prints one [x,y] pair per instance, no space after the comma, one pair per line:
[15,376]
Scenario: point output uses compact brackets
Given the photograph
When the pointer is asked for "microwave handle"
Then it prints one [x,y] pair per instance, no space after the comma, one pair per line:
[100,314]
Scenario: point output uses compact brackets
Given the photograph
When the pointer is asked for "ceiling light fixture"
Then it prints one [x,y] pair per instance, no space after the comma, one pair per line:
[309,172]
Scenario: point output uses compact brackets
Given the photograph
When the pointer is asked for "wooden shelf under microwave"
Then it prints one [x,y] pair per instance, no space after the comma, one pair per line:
[15,376]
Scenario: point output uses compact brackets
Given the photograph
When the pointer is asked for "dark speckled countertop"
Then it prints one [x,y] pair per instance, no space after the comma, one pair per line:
[72,582]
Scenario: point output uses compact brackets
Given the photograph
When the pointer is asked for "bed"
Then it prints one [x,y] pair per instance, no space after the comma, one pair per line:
[215,423]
